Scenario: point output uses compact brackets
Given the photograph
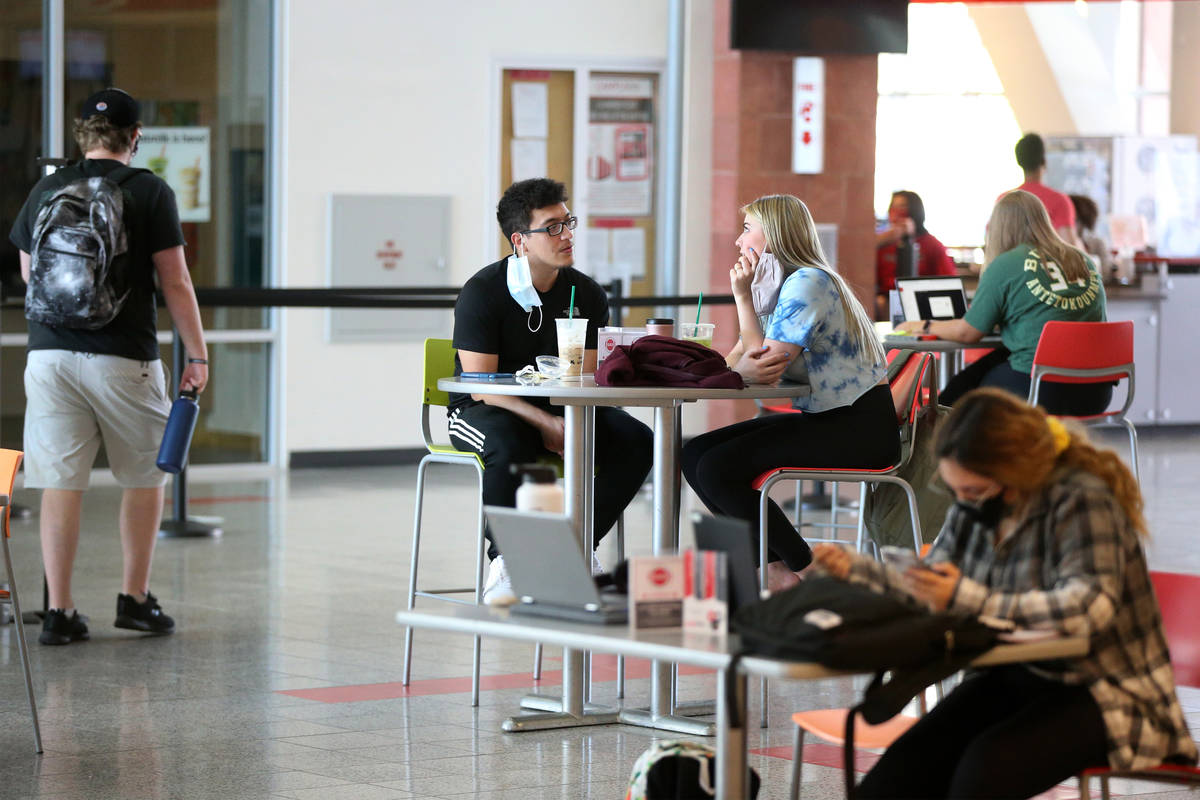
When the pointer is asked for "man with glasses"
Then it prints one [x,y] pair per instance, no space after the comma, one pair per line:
[503,319]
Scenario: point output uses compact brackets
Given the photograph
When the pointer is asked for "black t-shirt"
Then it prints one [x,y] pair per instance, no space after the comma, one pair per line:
[151,224]
[488,320]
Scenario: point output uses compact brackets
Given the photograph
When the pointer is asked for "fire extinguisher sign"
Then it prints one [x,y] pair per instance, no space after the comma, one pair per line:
[808,116]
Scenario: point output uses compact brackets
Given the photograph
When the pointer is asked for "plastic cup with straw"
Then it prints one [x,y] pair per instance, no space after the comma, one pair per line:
[700,332]
[572,335]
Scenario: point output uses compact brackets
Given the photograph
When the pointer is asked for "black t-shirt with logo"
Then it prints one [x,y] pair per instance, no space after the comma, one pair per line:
[151,224]
[488,320]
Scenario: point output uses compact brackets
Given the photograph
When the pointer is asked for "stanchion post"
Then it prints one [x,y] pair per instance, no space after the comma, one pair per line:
[616,303]
[180,526]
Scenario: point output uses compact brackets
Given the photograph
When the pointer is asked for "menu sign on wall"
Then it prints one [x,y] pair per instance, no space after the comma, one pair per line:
[180,156]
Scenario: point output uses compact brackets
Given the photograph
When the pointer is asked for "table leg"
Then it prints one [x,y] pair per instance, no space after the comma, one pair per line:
[571,710]
[666,532]
[733,775]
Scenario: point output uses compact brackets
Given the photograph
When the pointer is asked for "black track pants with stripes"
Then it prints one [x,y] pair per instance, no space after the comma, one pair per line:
[624,454]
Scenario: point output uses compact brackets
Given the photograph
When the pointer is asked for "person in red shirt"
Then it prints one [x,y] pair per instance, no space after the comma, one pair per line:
[1031,156]
[906,228]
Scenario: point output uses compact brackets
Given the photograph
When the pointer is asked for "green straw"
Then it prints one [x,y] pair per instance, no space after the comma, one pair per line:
[699,303]
[571,306]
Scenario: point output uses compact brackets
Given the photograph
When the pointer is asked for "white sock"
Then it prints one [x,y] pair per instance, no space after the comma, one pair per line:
[68,612]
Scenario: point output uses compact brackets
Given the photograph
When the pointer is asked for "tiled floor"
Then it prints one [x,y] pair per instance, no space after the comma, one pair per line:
[299,595]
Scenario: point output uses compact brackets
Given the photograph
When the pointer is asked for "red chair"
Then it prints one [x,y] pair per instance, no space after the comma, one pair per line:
[1178,598]
[914,392]
[1088,352]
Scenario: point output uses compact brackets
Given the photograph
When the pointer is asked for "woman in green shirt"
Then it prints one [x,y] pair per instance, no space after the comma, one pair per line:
[1032,276]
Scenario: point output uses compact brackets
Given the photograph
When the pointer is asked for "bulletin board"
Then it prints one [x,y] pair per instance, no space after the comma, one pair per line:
[558,134]
[537,128]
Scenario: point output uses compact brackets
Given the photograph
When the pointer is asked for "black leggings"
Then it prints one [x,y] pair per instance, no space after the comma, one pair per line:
[721,465]
[1077,399]
[1005,733]
[624,453]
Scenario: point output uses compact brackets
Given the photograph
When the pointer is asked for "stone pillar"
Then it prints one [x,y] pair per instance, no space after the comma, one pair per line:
[752,145]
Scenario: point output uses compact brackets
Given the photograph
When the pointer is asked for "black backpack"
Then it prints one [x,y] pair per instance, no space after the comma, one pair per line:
[852,627]
[77,273]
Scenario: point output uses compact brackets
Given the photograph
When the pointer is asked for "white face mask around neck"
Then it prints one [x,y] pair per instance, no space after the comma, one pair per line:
[520,286]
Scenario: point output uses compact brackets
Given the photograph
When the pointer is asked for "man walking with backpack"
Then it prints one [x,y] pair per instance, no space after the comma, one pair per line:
[93,236]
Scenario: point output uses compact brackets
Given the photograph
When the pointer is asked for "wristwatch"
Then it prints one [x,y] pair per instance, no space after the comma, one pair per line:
[925,328]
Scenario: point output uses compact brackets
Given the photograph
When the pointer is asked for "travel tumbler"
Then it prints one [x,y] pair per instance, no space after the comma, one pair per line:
[177,438]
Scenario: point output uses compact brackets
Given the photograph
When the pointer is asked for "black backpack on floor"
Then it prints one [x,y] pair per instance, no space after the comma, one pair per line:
[849,626]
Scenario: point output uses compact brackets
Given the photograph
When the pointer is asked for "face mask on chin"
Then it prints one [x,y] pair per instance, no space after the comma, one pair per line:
[987,513]
[520,287]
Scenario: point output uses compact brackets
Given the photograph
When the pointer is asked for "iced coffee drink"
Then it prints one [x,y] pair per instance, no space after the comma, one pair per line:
[572,336]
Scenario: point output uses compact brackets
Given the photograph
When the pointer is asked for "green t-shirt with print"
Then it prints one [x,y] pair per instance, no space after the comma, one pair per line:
[1020,292]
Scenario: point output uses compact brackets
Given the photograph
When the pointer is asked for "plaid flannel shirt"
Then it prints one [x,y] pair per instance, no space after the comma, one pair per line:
[1074,564]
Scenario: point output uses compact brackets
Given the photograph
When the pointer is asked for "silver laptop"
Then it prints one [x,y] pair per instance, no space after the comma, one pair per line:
[935,297]
[549,575]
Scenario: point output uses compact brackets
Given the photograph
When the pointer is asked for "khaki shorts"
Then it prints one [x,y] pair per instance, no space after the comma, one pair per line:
[73,401]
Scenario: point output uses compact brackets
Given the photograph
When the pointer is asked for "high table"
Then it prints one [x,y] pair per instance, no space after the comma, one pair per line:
[580,397]
[712,652]
[954,349]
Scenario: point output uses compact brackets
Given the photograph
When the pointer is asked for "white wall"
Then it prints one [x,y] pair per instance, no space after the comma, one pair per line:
[393,97]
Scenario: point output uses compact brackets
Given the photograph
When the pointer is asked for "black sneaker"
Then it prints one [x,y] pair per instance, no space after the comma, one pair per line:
[58,628]
[147,617]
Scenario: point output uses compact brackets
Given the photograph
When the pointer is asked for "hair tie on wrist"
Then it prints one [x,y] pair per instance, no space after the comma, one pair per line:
[197,360]
[1062,437]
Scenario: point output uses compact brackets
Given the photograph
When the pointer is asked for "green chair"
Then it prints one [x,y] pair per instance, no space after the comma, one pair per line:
[439,363]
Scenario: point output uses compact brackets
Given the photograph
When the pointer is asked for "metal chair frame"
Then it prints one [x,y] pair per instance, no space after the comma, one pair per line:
[922,370]
[9,461]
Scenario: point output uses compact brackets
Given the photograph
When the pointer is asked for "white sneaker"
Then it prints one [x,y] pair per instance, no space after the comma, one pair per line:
[597,567]
[497,590]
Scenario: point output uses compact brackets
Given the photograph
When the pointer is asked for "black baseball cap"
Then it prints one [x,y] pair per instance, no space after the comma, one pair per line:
[117,106]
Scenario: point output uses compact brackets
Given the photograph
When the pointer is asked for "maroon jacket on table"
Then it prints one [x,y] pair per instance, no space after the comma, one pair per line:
[666,361]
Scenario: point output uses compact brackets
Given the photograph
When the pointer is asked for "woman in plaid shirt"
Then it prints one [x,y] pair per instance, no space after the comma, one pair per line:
[1045,532]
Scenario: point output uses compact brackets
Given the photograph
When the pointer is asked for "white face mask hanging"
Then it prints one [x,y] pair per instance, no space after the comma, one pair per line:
[520,286]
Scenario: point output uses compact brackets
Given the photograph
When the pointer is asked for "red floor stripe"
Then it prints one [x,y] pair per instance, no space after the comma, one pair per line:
[391,691]
[232,498]
[604,669]
[822,755]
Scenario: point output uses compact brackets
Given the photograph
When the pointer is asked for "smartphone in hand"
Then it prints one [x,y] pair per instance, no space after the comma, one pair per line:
[901,558]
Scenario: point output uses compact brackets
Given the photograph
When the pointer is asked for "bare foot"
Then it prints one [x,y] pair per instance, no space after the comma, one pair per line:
[779,577]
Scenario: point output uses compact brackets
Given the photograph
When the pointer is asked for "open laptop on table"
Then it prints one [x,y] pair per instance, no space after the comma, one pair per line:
[549,575]
[935,297]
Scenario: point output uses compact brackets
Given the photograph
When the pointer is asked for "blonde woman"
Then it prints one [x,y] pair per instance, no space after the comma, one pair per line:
[820,330]
[1032,277]
[1046,532]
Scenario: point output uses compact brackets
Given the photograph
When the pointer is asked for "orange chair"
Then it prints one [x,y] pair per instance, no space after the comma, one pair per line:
[914,392]
[1178,598]
[1088,352]
[9,461]
[829,724]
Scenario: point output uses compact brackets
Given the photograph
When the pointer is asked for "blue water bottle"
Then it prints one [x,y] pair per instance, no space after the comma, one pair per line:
[177,438]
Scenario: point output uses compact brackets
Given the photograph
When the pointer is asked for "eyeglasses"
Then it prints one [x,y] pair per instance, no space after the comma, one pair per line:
[556,228]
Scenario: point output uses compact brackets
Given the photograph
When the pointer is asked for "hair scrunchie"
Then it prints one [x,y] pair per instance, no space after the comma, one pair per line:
[1062,437]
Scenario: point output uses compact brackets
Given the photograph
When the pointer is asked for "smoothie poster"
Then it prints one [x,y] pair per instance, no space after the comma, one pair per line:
[180,156]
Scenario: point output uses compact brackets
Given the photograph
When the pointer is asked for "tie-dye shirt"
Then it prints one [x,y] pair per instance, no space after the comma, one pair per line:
[810,315]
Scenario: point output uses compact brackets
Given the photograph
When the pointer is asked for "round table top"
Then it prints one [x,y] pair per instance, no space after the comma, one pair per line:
[585,389]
